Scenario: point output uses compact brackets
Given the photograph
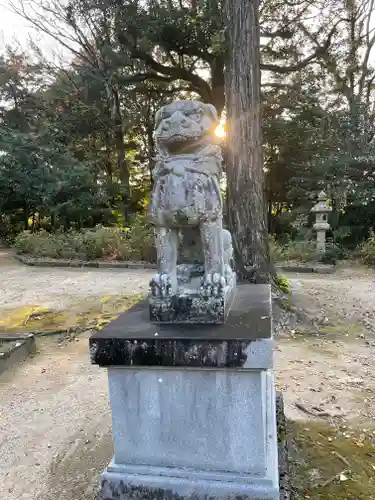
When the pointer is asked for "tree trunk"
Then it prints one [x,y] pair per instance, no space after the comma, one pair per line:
[150,143]
[218,83]
[246,186]
[121,160]
[107,157]
[123,167]
[26,212]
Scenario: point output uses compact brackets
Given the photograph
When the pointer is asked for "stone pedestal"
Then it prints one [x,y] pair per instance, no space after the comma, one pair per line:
[193,406]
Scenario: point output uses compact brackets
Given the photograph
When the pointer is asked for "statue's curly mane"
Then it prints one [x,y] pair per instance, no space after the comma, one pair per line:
[188,169]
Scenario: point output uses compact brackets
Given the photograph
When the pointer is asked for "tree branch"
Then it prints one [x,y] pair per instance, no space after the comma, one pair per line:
[322,51]
[142,77]
[370,41]
[282,33]
[177,73]
[289,69]
[278,85]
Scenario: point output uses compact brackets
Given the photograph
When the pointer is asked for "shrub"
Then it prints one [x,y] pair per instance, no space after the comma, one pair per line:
[333,253]
[275,249]
[299,250]
[133,244]
[303,251]
[367,251]
[283,283]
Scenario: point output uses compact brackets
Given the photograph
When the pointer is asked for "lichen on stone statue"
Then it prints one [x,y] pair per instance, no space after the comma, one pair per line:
[194,252]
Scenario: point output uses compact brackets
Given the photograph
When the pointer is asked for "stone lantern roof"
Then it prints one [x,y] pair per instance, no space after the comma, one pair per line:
[321,206]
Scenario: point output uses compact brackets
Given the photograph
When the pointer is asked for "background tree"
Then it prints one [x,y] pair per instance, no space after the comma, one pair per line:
[90,117]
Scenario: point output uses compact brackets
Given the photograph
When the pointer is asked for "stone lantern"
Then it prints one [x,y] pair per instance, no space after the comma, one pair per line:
[321,226]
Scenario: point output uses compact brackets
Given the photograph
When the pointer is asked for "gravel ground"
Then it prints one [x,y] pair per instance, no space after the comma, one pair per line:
[54,425]
[58,288]
[54,416]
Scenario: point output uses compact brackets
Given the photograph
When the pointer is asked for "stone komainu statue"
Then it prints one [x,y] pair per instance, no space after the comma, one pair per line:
[186,196]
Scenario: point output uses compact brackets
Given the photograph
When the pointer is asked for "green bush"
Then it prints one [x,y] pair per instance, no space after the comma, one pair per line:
[333,253]
[275,249]
[305,251]
[366,251]
[283,283]
[131,244]
[299,250]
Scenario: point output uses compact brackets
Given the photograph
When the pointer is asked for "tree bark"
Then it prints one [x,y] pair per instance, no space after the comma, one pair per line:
[218,84]
[247,215]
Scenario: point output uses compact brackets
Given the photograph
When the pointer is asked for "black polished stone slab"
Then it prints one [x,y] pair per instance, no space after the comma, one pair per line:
[131,340]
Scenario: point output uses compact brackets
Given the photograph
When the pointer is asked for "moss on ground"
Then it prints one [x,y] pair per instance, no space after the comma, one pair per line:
[91,313]
[349,331]
[332,463]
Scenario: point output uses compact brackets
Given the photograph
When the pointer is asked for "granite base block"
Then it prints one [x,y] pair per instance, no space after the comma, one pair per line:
[192,434]
[219,420]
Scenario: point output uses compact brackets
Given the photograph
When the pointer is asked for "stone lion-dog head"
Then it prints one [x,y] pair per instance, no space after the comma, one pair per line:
[182,126]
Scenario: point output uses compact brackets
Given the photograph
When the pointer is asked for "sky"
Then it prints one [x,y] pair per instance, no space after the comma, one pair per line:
[14,28]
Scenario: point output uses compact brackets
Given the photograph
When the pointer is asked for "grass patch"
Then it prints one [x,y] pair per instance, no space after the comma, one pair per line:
[94,313]
[331,463]
[347,331]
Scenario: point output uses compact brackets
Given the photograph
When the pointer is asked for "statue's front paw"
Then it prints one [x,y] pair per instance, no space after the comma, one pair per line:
[213,285]
[161,285]
[228,272]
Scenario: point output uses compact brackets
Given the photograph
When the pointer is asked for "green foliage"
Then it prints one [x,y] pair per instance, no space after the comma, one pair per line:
[131,244]
[367,251]
[283,283]
[275,249]
[298,250]
[303,251]
[73,139]
[333,253]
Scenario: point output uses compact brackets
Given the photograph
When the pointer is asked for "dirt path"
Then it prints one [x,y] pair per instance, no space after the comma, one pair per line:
[58,288]
[54,416]
[54,425]
[331,369]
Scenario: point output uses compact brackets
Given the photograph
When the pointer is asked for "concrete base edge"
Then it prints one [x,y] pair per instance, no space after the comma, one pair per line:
[125,486]
[23,347]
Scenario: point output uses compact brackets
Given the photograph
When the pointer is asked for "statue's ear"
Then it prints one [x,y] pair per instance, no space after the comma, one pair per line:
[159,117]
[211,112]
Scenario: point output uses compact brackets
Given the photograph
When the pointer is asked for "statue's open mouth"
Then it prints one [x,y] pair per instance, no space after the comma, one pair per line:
[179,138]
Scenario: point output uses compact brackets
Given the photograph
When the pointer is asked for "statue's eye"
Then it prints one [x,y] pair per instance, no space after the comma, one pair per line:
[198,115]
